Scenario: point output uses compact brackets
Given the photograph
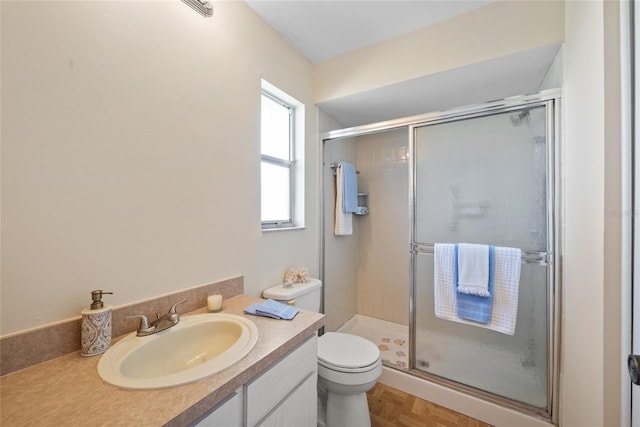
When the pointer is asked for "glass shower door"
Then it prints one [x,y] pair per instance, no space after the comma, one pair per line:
[485,179]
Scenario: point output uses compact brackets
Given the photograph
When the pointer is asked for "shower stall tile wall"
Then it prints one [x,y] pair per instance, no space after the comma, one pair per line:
[383,259]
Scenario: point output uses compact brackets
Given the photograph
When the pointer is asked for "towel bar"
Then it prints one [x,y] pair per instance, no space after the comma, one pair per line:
[528,257]
[334,166]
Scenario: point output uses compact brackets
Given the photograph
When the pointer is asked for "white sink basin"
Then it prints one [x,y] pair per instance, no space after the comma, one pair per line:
[199,346]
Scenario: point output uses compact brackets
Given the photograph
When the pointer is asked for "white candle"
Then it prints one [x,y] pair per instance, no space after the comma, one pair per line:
[214,302]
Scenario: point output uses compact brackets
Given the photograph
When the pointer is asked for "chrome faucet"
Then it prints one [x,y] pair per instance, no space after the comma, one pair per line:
[162,322]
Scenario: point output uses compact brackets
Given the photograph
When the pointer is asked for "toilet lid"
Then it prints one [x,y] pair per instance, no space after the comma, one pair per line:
[346,351]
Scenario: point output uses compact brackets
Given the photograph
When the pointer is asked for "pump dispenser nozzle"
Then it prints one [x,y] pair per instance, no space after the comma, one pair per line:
[96,297]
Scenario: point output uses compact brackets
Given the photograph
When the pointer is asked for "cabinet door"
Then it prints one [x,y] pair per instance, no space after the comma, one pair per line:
[296,409]
[226,414]
[275,385]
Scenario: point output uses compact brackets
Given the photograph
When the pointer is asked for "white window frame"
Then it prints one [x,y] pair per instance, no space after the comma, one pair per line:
[295,163]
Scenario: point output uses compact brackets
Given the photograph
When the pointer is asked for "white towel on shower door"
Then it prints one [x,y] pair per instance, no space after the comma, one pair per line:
[505,288]
[343,220]
[473,269]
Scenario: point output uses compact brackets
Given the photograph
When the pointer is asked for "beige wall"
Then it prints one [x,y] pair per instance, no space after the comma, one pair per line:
[591,355]
[582,321]
[130,153]
[500,28]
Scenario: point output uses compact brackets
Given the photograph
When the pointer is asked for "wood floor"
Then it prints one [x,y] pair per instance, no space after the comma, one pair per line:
[393,408]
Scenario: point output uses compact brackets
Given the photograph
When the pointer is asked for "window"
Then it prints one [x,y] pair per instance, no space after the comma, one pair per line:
[280,169]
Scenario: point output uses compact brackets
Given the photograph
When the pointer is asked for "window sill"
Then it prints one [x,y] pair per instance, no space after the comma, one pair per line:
[268,230]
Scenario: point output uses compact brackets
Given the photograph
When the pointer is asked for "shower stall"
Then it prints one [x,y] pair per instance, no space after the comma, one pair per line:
[484,174]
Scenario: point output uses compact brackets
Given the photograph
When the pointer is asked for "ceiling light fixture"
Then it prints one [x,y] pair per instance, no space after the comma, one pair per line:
[203,7]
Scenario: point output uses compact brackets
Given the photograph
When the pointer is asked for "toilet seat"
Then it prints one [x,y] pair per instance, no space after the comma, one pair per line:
[349,370]
[347,353]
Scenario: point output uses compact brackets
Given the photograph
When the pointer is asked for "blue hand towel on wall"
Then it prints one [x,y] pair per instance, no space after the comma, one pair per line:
[349,188]
[473,307]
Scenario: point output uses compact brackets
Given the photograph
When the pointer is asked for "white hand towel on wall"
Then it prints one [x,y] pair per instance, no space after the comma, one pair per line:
[343,220]
[505,288]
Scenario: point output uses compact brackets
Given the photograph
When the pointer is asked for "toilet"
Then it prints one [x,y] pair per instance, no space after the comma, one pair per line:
[348,365]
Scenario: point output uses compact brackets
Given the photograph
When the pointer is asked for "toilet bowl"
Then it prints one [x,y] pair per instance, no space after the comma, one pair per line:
[348,367]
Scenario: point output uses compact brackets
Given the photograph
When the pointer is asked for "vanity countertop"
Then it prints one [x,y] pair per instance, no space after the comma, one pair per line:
[68,391]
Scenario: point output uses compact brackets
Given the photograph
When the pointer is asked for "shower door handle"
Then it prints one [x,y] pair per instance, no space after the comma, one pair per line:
[633,362]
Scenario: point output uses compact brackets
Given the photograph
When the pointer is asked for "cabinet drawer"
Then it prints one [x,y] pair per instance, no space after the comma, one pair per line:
[268,390]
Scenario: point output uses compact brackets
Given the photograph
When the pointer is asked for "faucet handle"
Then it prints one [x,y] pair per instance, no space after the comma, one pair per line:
[173,310]
[144,322]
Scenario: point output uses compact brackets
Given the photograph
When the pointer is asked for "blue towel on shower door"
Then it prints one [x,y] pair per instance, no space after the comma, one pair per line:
[473,307]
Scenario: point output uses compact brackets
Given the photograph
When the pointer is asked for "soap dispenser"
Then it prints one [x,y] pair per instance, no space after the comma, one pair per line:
[96,326]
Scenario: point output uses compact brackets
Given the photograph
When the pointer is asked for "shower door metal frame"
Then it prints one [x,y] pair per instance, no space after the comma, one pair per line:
[552,100]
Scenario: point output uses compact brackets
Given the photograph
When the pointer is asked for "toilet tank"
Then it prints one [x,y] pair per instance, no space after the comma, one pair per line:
[302,295]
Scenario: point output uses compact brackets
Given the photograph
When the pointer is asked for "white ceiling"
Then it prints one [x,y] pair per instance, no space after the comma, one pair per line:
[324,29]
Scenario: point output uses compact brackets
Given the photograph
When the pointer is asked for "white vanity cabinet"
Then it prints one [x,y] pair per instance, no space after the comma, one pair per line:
[283,395]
